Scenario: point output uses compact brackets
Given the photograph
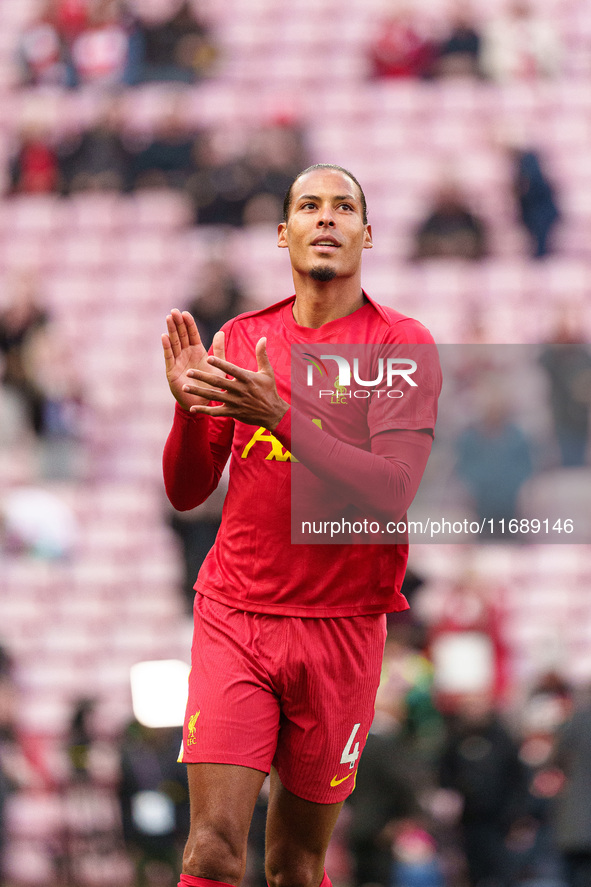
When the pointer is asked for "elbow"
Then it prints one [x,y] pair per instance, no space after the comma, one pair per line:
[393,515]
[179,499]
[394,504]
[184,498]
[180,505]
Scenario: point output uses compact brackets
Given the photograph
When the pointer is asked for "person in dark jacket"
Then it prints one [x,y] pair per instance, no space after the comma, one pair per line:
[538,209]
[480,762]
[572,821]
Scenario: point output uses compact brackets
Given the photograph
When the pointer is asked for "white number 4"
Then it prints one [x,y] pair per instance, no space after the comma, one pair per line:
[350,756]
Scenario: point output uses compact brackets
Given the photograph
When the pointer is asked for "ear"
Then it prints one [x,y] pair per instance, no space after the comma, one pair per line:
[281,235]
[368,242]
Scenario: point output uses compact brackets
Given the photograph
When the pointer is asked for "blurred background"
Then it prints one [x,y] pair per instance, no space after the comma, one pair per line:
[145,148]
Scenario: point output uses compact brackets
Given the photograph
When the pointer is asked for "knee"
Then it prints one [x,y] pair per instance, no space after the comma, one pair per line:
[213,853]
[303,872]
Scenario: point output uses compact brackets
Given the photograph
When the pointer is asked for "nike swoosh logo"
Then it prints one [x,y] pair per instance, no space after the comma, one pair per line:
[334,781]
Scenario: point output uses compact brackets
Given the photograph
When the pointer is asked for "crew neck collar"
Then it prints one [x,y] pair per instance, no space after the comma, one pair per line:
[331,328]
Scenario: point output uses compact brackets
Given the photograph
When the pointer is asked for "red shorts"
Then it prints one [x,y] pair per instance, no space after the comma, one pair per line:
[293,693]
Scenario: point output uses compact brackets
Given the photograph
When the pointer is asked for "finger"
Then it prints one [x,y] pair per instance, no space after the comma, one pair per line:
[219,345]
[229,368]
[207,392]
[209,411]
[213,379]
[191,327]
[263,363]
[181,327]
[173,335]
[168,354]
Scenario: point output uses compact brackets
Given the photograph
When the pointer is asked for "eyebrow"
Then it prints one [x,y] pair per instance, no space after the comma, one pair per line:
[337,197]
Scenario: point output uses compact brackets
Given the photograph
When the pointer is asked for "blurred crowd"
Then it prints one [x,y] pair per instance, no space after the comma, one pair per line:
[73,43]
[515,45]
[107,43]
[227,185]
[245,185]
[467,780]
[113,44]
[42,397]
[462,783]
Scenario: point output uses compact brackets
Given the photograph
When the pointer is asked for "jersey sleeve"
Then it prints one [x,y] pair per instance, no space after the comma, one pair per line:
[411,384]
[384,480]
[195,454]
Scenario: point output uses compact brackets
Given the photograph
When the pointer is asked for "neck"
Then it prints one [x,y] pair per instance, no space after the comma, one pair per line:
[318,303]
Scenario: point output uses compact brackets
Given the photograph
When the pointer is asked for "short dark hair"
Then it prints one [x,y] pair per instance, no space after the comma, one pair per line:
[287,200]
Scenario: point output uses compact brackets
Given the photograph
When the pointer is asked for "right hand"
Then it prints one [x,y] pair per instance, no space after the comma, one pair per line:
[184,350]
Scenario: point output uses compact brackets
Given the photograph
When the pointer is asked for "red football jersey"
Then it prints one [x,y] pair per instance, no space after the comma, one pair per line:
[253,564]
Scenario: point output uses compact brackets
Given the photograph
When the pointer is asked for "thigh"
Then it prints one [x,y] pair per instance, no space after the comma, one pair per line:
[223,796]
[327,704]
[298,834]
[222,799]
[232,714]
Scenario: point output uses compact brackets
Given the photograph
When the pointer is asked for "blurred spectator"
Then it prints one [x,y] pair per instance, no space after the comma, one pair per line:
[97,159]
[450,229]
[34,169]
[493,459]
[90,837]
[480,762]
[520,45]
[99,52]
[401,47]
[168,159]
[154,801]
[219,297]
[573,811]
[71,17]
[6,738]
[405,694]
[536,200]
[247,186]
[80,739]
[41,376]
[175,48]
[43,52]
[567,363]
[222,185]
[196,531]
[385,800]
[16,771]
[19,320]
[458,55]
[275,154]
[469,610]
[38,523]
[52,375]
[543,714]
[383,804]
[416,862]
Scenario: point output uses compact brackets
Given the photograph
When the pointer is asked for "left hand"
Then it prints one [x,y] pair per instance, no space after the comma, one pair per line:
[250,397]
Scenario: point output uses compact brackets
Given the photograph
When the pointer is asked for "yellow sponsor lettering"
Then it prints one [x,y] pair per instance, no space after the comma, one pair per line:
[277,451]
